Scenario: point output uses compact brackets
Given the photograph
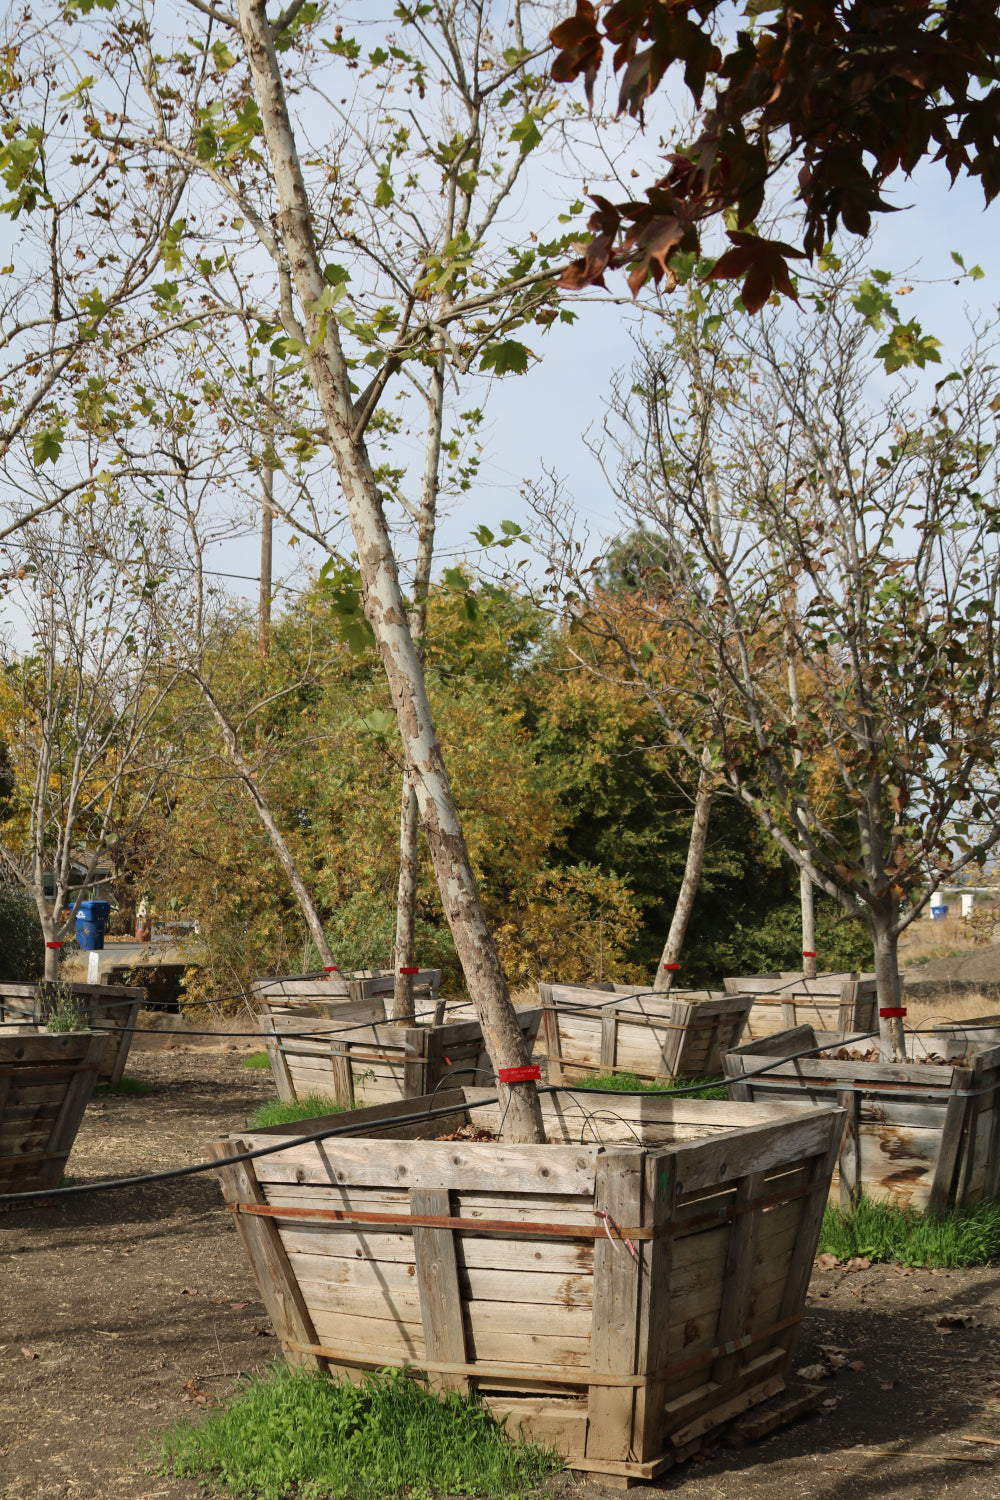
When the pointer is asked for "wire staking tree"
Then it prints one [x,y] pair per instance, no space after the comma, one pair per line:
[859,541]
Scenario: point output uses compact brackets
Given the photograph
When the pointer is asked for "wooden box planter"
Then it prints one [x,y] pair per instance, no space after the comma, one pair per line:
[919,1135]
[322,994]
[104,1005]
[618,1298]
[45,1083]
[830,1002]
[589,1031]
[373,1060]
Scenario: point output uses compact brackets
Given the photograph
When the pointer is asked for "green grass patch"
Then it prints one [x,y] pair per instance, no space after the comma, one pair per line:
[309,1108]
[707,1088]
[967,1237]
[299,1433]
[257,1060]
[125,1085]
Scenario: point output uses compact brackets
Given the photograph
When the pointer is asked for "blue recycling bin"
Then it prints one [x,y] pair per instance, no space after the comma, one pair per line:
[91,922]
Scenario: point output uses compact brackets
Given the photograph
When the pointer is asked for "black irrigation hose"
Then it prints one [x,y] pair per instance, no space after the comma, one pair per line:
[214,1166]
[322,1135]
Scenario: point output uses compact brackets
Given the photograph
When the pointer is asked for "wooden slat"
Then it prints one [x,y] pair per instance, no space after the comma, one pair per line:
[437,1282]
[737,1284]
[614,1334]
[657,1288]
[849,1160]
[952,1140]
[262,1242]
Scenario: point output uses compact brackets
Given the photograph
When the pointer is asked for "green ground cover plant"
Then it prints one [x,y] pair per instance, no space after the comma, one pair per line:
[125,1085]
[257,1060]
[629,1083]
[309,1108]
[881,1232]
[299,1433]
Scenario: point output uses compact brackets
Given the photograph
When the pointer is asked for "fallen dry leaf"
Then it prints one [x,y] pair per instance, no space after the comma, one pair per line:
[189,1291]
[262,1333]
[830,1403]
[29,1353]
[826,1261]
[238,1306]
[813,1372]
[857,1365]
[858,1263]
[890,1385]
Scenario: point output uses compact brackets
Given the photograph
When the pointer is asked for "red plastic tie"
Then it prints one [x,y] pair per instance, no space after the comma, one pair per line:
[519,1075]
[807,954]
[410,969]
[331,969]
[671,966]
[893,1010]
[53,945]
[447,1060]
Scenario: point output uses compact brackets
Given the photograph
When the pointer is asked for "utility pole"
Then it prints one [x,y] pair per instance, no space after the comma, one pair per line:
[266,520]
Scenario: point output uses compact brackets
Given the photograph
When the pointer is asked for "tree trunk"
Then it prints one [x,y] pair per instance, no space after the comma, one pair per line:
[808,900]
[248,781]
[892,1037]
[670,959]
[406,904]
[384,603]
[409,823]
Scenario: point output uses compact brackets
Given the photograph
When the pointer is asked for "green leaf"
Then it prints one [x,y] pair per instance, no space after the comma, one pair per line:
[508,357]
[46,445]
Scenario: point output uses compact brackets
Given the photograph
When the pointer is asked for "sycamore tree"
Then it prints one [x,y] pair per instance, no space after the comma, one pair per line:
[256,114]
[80,703]
[858,537]
[81,221]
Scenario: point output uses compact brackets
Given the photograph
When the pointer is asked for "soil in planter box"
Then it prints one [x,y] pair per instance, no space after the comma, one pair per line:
[873,1055]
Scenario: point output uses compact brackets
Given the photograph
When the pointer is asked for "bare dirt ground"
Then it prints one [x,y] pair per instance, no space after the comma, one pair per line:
[123,1312]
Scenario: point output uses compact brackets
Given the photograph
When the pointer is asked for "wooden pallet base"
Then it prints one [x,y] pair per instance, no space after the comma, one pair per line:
[796,1400]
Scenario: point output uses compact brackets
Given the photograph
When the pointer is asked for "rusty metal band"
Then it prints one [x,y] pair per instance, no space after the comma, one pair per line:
[562,1374]
[516,1227]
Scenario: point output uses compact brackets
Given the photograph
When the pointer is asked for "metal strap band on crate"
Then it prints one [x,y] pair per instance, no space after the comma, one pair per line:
[515,1226]
[565,1375]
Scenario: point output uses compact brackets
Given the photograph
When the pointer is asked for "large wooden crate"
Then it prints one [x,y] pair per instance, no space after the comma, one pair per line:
[830,1002]
[618,1298]
[357,1056]
[45,1082]
[321,994]
[919,1135]
[589,1031]
[113,1008]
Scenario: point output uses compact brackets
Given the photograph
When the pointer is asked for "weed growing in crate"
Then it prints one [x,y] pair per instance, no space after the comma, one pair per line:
[257,1060]
[65,1014]
[311,1107]
[630,1083]
[300,1433]
[969,1237]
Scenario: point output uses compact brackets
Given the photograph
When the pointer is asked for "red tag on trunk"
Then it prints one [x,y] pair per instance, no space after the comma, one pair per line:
[53,945]
[331,969]
[409,969]
[892,1010]
[671,966]
[519,1075]
[807,954]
